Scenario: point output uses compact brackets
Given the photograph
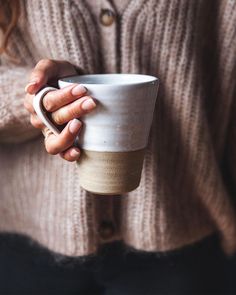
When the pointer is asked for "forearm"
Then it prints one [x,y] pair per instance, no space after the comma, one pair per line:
[14,119]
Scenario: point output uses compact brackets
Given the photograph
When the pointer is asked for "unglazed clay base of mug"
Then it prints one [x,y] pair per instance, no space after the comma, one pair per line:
[110,173]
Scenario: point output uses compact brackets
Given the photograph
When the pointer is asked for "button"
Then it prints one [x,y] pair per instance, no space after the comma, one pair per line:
[107,17]
[106,229]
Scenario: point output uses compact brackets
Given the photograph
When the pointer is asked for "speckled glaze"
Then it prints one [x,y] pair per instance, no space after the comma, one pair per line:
[124,112]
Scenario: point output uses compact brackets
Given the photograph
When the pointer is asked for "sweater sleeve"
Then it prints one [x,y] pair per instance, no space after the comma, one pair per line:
[15,124]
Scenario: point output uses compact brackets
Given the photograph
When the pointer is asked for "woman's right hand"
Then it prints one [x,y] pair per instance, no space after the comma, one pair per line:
[65,106]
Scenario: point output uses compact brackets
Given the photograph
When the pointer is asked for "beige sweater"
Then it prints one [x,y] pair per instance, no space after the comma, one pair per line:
[188,182]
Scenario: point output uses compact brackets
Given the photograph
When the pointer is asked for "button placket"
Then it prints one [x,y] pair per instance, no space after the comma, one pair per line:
[107,21]
[108,227]
[108,33]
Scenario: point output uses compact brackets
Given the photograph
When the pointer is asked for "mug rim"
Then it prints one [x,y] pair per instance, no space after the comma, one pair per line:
[146,79]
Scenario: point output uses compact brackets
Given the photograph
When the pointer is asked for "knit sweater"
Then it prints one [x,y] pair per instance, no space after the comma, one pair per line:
[187,188]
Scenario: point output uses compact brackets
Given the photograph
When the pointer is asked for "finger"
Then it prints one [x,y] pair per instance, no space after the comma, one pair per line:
[71,155]
[43,71]
[36,122]
[28,103]
[54,100]
[74,110]
[55,144]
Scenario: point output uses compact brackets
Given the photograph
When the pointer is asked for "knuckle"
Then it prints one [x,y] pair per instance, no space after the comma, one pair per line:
[47,102]
[59,117]
[73,112]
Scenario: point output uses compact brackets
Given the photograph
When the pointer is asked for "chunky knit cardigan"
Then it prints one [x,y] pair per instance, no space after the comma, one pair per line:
[187,189]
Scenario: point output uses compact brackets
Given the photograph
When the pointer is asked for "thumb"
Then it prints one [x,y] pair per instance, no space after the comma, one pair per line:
[44,70]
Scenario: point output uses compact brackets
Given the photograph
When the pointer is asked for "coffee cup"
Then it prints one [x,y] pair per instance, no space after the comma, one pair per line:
[115,134]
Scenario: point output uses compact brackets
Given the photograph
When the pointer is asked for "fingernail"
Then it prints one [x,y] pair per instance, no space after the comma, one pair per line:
[74,126]
[30,85]
[88,104]
[74,153]
[77,90]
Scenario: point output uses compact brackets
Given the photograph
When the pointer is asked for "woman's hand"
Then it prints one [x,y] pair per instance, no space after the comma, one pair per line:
[65,106]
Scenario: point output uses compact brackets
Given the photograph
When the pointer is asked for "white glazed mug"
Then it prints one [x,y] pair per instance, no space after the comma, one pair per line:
[114,135]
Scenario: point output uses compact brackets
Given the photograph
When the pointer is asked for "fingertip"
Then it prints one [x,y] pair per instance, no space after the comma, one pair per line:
[71,154]
[74,152]
[74,126]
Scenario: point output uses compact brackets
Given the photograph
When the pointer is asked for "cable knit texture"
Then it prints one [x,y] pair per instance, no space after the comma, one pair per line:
[184,194]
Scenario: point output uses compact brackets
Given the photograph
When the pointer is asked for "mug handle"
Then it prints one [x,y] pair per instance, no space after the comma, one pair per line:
[40,110]
[44,115]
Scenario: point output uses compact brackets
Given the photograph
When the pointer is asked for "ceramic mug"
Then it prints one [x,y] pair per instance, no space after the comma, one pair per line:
[115,134]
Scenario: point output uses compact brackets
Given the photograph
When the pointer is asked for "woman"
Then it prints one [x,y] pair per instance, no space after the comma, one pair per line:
[163,236]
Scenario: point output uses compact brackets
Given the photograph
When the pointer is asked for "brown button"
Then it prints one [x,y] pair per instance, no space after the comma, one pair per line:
[107,17]
[106,229]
